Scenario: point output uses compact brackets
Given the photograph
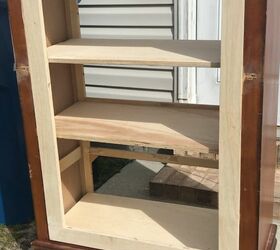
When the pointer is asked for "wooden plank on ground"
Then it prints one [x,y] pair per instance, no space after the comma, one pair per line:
[188,184]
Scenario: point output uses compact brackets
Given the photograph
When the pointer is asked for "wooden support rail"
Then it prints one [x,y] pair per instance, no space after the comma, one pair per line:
[176,159]
[70,159]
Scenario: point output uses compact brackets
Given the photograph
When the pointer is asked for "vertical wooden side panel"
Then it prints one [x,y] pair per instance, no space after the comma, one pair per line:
[26,99]
[254,40]
[230,123]
[44,112]
[270,100]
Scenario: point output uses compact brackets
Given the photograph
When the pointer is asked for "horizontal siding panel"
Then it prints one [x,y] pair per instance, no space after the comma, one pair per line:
[130,78]
[128,19]
[128,94]
[124,2]
[160,16]
[127,33]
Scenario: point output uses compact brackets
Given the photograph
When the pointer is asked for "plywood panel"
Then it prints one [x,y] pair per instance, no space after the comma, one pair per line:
[153,126]
[137,52]
[160,225]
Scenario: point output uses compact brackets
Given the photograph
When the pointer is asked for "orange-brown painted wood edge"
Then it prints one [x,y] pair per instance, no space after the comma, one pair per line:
[27,108]
[52,245]
[258,156]
[252,109]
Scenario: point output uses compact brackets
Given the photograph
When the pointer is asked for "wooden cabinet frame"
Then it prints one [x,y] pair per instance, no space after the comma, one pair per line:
[250,59]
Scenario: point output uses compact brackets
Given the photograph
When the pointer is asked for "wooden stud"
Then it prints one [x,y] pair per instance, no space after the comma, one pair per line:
[86,170]
[44,111]
[230,123]
[77,71]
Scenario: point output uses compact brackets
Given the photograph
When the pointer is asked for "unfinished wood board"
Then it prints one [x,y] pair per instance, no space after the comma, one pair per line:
[193,185]
[231,123]
[151,126]
[178,159]
[44,111]
[72,190]
[164,224]
[70,159]
[137,52]
[86,168]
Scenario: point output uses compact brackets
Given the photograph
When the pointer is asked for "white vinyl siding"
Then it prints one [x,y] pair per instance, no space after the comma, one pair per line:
[115,77]
[160,16]
[128,19]
[208,20]
[127,33]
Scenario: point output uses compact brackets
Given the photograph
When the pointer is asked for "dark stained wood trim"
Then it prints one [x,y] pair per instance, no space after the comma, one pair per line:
[259,112]
[52,245]
[27,107]
[254,44]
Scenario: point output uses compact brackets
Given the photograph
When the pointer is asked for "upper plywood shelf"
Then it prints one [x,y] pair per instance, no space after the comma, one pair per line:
[142,125]
[137,52]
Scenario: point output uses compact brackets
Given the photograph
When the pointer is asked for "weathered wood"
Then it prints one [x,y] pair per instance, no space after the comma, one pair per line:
[188,184]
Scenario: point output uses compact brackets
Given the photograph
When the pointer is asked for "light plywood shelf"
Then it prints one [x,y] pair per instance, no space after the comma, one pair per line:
[152,125]
[170,226]
[200,53]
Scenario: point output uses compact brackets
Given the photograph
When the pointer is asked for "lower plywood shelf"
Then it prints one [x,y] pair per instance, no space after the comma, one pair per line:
[185,127]
[170,226]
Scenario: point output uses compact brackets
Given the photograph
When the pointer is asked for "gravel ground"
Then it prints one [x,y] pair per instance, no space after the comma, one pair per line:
[17,237]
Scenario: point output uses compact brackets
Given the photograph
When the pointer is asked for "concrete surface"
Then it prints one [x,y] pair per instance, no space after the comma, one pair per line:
[133,180]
